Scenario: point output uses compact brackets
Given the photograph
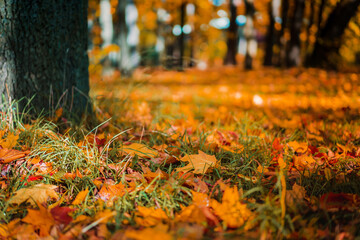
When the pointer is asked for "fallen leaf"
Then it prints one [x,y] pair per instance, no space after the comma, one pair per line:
[299,148]
[61,214]
[39,193]
[150,216]
[108,191]
[9,155]
[139,149]
[10,141]
[199,162]
[231,210]
[80,197]
[157,233]
[41,219]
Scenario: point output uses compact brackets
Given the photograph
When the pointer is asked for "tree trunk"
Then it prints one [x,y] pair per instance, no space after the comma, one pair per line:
[232,37]
[294,50]
[270,37]
[328,43]
[124,63]
[106,22]
[43,54]
[249,32]
[281,41]
[182,35]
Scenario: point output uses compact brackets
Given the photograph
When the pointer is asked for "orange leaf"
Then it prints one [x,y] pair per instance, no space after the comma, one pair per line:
[150,216]
[199,162]
[41,219]
[80,197]
[108,192]
[9,155]
[231,210]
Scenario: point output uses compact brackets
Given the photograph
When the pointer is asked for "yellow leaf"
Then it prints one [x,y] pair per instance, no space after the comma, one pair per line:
[231,210]
[139,149]
[10,141]
[39,193]
[80,197]
[199,162]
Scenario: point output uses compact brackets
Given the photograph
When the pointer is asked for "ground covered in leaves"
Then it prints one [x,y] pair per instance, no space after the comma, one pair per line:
[190,155]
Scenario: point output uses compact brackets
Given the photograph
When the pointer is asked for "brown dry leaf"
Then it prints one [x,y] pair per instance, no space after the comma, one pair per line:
[10,141]
[80,197]
[296,195]
[199,162]
[148,217]
[39,193]
[157,233]
[41,219]
[9,155]
[231,210]
[139,149]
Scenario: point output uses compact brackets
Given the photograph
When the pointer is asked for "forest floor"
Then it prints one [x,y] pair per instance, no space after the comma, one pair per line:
[220,153]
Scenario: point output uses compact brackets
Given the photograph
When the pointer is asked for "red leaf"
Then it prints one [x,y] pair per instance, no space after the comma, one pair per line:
[61,214]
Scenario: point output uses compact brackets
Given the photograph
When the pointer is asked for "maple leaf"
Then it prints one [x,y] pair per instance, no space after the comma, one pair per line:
[10,141]
[150,216]
[139,149]
[41,219]
[231,210]
[39,193]
[199,162]
[80,197]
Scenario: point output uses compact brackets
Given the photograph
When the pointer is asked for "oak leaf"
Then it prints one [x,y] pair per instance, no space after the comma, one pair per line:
[199,162]
[39,193]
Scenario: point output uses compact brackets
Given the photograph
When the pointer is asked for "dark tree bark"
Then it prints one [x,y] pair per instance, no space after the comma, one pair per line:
[182,35]
[328,43]
[249,32]
[293,57]
[281,41]
[310,24]
[43,54]
[270,36]
[232,37]
[320,13]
